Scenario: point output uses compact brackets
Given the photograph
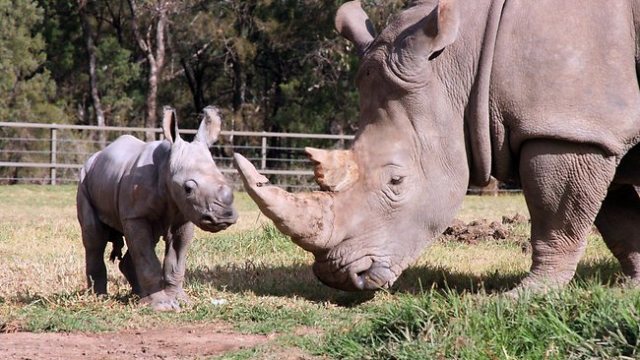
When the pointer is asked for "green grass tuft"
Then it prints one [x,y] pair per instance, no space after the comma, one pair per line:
[582,321]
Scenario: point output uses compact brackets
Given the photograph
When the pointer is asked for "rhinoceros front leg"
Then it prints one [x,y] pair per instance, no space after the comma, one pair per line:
[129,271]
[619,224]
[141,243]
[177,243]
[564,185]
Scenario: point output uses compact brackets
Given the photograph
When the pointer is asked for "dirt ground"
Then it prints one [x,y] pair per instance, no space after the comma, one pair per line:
[186,342]
[480,230]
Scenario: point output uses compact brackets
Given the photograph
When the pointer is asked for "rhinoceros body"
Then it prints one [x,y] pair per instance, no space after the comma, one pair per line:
[145,191]
[453,92]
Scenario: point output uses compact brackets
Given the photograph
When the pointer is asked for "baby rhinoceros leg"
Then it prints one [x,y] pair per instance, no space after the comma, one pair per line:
[129,271]
[177,242]
[141,243]
[95,236]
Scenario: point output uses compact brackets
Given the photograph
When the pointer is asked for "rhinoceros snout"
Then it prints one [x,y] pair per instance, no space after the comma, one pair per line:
[228,217]
[225,195]
[375,277]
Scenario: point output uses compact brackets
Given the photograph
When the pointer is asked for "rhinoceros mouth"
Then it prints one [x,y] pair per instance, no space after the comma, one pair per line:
[213,223]
[365,273]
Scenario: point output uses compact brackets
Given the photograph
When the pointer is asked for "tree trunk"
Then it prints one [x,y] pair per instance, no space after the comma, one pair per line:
[155,59]
[195,84]
[93,76]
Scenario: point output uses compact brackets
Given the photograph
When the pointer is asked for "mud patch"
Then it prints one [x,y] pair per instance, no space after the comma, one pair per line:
[185,342]
[485,230]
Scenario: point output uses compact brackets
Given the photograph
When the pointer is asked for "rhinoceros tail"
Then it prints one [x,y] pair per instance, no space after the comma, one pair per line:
[116,253]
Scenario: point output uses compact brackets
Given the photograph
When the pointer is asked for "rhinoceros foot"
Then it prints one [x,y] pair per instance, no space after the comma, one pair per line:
[161,301]
[180,296]
[539,285]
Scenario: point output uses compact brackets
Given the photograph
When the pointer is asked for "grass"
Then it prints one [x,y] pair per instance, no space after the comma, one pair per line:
[448,305]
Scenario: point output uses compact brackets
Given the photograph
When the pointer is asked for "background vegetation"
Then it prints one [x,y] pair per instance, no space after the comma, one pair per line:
[269,65]
[273,65]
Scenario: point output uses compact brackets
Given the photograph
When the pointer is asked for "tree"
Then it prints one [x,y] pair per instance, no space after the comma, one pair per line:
[153,47]
[27,92]
[93,77]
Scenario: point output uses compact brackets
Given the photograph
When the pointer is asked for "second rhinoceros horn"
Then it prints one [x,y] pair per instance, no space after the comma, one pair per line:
[334,170]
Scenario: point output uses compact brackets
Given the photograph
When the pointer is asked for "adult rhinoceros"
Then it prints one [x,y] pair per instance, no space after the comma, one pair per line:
[147,190]
[454,91]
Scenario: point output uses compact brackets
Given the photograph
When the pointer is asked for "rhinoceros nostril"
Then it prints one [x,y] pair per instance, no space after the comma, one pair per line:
[358,280]
[228,214]
[207,219]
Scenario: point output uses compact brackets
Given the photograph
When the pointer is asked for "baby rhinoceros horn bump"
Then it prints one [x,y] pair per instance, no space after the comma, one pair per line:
[335,170]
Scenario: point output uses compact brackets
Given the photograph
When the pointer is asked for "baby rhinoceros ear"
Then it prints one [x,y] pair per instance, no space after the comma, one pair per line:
[209,126]
[170,124]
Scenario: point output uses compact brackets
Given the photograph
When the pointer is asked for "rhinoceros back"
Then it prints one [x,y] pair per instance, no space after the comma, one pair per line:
[102,176]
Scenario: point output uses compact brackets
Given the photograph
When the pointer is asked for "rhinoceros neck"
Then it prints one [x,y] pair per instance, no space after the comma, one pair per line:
[464,71]
[162,160]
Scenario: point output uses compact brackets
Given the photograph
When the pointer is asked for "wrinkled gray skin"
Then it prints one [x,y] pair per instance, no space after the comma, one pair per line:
[452,92]
[147,190]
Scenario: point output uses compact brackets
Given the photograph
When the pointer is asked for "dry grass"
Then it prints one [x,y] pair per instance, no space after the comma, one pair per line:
[265,280]
[42,251]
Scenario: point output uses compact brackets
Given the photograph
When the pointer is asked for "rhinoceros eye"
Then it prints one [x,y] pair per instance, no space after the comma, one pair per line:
[396,180]
[189,187]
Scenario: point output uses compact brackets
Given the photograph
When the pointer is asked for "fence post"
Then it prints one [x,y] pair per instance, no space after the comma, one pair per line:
[263,153]
[54,149]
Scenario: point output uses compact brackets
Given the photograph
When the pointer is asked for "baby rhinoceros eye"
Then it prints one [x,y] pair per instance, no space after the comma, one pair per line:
[189,187]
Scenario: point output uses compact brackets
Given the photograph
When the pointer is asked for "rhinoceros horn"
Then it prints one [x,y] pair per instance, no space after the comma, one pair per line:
[306,217]
[334,170]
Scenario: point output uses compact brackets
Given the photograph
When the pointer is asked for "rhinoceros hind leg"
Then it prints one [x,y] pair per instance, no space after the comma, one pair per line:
[95,236]
[619,224]
[564,185]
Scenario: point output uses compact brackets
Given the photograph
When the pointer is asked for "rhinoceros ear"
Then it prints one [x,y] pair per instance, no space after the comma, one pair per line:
[354,24]
[170,124]
[334,170]
[443,27]
[209,126]
[428,37]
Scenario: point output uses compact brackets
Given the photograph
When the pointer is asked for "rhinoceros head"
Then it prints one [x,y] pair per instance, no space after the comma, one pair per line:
[403,179]
[196,185]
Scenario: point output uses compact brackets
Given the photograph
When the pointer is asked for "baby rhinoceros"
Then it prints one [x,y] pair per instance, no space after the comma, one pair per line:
[147,190]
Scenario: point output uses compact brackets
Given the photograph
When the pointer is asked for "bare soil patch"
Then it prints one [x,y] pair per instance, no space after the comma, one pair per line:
[186,342]
[481,230]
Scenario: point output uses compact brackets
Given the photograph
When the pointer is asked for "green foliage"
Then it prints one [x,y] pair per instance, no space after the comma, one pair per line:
[118,75]
[27,91]
[273,65]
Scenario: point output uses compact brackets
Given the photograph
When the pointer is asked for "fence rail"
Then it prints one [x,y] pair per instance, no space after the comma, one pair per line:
[54,153]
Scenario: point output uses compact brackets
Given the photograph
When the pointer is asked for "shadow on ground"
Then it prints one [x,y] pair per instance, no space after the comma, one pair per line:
[299,281]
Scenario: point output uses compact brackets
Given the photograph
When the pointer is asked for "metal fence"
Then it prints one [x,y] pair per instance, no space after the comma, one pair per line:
[54,153]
